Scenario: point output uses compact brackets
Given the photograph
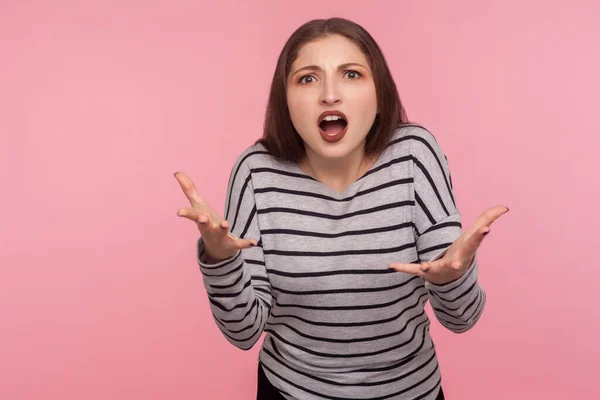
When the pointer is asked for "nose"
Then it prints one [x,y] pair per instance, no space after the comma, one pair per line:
[330,94]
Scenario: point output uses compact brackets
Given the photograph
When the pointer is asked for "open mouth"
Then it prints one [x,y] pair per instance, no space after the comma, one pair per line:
[333,126]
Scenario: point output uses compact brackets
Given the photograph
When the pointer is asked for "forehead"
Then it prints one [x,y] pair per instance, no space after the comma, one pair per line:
[334,50]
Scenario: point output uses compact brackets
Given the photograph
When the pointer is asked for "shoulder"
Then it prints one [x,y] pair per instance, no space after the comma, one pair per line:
[406,134]
[415,140]
[256,157]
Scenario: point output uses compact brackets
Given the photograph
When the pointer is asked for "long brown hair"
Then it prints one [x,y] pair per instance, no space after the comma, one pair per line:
[280,137]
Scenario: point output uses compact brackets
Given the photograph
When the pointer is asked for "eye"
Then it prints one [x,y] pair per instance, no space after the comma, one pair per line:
[353,74]
[304,81]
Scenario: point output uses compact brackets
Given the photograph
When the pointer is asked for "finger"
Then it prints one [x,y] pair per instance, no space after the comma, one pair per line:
[189,189]
[414,269]
[489,216]
[213,231]
[197,215]
[194,214]
[245,243]
[224,228]
[473,241]
[484,222]
[240,243]
[202,220]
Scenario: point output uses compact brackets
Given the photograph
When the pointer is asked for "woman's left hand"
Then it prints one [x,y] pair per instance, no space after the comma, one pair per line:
[459,255]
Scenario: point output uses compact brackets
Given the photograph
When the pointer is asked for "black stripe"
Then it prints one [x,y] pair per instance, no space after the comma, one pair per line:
[432,183]
[370,398]
[336,235]
[449,324]
[433,298]
[281,172]
[405,360]
[294,253]
[351,355]
[435,387]
[257,262]
[332,273]
[253,334]
[235,321]
[478,309]
[228,295]
[340,291]
[330,382]
[426,143]
[358,307]
[222,307]
[459,316]
[262,290]
[355,340]
[463,294]
[211,267]
[324,197]
[225,274]
[347,324]
[228,286]
[335,217]
[239,200]
[433,248]
[250,218]
[387,164]
[274,346]
[250,326]
[404,138]
[442,225]
[416,230]
[475,317]
[234,176]
[424,208]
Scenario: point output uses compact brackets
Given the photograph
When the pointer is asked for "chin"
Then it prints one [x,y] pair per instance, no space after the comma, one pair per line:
[338,150]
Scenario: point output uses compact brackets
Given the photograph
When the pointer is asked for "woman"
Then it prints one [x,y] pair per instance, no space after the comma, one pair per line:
[340,223]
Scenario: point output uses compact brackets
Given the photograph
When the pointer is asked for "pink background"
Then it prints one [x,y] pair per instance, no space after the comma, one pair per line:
[100,296]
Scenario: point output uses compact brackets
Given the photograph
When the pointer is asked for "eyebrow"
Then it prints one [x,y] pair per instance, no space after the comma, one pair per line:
[317,68]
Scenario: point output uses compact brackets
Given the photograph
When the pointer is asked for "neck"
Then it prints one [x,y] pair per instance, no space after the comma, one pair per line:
[336,173]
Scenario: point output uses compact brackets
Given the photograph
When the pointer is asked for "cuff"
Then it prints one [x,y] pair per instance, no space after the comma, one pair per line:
[467,278]
[210,268]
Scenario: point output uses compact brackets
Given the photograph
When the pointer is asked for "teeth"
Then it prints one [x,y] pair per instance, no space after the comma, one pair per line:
[332,118]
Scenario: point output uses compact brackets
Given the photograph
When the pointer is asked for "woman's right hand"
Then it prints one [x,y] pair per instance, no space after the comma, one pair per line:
[219,243]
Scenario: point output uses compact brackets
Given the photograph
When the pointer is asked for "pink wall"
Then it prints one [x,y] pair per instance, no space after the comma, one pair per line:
[100,296]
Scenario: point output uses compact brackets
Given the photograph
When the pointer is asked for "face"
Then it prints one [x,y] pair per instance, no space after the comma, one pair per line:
[332,74]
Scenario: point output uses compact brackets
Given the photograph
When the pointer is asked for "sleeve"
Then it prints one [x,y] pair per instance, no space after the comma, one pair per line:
[238,288]
[459,304]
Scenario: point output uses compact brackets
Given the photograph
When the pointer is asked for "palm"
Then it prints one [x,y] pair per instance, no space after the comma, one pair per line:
[459,256]
[219,242]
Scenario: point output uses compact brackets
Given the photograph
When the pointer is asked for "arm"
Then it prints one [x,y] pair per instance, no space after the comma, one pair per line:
[238,287]
[457,304]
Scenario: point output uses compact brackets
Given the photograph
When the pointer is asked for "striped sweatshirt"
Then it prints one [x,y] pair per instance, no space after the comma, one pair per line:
[338,323]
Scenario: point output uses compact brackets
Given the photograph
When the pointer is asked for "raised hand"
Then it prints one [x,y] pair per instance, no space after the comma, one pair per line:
[219,243]
[459,255]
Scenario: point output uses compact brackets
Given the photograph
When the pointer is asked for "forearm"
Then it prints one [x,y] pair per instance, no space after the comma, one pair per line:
[240,309]
[458,304]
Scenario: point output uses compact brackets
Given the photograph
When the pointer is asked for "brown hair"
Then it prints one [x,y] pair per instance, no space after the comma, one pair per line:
[280,137]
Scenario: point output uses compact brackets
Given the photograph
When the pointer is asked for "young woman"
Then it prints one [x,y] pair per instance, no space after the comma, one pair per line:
[340,224]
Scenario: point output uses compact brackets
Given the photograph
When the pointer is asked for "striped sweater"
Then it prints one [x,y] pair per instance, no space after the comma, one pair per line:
[339,324]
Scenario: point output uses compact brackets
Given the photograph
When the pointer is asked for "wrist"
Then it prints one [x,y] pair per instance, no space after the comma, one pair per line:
[212,257]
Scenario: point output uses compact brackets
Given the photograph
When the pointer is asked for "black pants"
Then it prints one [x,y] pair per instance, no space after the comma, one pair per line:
[266,391]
